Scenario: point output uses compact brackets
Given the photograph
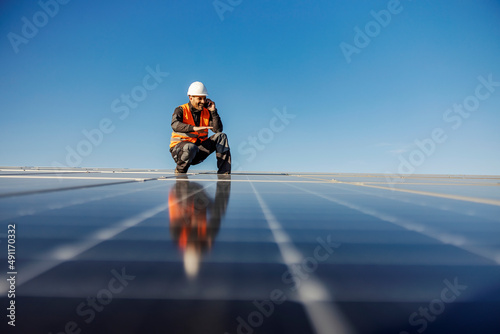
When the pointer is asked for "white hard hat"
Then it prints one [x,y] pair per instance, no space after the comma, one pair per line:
[197,89]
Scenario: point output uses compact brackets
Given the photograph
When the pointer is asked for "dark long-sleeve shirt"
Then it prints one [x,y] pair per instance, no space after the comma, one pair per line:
[179,126]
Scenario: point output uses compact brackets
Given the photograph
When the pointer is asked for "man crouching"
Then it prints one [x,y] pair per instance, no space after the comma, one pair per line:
[190,144]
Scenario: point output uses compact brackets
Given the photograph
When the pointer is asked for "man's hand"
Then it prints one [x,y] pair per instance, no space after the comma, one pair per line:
[198,128]
[211,105]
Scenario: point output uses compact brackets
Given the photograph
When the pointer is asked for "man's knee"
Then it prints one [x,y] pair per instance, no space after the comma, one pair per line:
[188,152]
[219,136]
[221,142]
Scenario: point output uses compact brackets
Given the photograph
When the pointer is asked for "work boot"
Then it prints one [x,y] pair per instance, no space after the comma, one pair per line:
[224,162]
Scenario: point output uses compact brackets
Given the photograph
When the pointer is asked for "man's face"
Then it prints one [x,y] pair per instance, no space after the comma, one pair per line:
[197,101]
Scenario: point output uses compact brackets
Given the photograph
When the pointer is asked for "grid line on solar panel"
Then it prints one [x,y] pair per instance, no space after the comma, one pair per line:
[412,225]
[311,292]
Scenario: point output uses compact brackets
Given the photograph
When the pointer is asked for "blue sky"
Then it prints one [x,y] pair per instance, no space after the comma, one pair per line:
[290,96]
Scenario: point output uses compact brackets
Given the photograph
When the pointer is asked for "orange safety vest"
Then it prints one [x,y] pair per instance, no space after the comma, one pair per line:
[191,224]
[187,117]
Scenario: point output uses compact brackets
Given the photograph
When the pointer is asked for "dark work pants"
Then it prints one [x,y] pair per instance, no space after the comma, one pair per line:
[186,153]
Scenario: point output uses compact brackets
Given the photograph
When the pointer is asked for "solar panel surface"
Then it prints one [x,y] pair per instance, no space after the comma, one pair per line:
[146,251]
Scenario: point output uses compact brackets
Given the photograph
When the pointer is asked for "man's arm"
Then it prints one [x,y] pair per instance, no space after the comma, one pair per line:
[214,121]
[177,124]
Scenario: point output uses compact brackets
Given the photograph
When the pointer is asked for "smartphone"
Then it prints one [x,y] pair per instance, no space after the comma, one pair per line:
[207,104]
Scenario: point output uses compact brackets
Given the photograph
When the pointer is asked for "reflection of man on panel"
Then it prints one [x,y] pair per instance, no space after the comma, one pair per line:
[195,218]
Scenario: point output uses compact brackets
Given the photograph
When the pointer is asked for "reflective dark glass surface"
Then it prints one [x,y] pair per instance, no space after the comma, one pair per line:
[136,251]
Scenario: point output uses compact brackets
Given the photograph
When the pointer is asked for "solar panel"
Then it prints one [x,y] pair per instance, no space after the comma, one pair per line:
[148,251]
